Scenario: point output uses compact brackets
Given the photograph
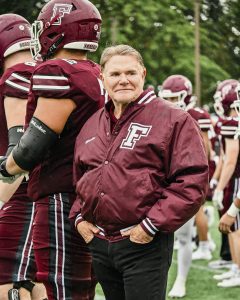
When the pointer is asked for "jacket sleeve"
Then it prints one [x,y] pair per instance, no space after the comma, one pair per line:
[186,170]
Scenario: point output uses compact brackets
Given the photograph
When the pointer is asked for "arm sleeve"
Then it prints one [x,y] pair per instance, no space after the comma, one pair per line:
[229,129]
[50,80]
[187,179]
[17,81]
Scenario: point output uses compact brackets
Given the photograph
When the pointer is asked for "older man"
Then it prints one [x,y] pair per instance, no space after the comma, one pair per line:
[141,173]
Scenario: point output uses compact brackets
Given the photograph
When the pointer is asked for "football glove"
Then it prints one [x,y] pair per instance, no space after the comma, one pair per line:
[218,199]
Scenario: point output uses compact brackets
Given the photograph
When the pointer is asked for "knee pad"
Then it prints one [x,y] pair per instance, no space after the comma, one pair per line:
[13,294]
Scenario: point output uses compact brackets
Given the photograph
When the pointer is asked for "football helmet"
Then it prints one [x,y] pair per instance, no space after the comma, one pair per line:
[225,96]
[70,24]
[14,35]
[180,88]
[236,103]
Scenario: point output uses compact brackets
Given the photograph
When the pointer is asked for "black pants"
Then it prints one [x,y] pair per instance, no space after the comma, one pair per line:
[130,271]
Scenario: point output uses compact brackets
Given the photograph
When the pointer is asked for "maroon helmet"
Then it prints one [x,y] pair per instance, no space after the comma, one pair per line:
[179,87]
[70,24]
[225,95]
[14,35]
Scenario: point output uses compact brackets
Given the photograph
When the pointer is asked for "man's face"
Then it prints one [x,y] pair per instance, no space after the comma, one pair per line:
[123,78]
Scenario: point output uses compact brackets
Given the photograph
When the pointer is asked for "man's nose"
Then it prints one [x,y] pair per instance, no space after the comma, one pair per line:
[123,79]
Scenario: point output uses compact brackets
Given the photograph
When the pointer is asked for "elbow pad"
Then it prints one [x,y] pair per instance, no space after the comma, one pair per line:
[14,135]
[34,144]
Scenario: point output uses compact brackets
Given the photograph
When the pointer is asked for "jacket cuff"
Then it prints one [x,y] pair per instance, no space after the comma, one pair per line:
[78,220]
[148,227]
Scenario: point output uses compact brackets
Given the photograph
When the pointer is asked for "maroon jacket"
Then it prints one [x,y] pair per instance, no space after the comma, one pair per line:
[151,169]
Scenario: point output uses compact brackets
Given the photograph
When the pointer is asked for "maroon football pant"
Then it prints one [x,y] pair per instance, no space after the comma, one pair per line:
[63,260]
[16,252]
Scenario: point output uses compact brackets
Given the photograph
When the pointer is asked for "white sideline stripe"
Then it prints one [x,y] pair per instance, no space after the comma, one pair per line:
[228,132]
[50,77]
[20,77]
[51,87]
[17,86]
[202,268]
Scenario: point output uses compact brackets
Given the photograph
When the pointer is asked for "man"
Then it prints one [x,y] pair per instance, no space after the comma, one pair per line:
[65,92]
[17,262]
[229,180]
[141,172]
[178,90]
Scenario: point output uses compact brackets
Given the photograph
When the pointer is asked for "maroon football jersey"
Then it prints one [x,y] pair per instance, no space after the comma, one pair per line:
[202,117]
[229,130]
[63,79]
[15,82]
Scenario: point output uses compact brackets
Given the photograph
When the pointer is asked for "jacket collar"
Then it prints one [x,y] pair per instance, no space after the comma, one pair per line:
[146,97]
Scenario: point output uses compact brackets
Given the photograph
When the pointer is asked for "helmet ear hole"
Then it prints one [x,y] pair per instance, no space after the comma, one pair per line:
[52,35]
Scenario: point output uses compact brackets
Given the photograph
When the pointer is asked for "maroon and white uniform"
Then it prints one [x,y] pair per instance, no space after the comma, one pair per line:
[150,169]
[229,130]
[202,117]
[63,260]
[16,216]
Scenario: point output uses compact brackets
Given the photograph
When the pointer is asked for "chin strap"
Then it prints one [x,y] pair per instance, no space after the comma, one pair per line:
[13,294]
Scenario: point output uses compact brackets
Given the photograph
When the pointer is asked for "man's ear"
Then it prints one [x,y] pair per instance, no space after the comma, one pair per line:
[144,72]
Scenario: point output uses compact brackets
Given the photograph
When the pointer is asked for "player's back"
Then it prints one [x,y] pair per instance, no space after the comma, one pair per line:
[63,79]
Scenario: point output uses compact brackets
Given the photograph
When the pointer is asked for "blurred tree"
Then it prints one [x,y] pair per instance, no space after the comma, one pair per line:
[163,31]
[29,9]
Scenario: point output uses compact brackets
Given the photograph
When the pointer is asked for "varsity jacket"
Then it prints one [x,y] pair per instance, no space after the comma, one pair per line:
[150,168]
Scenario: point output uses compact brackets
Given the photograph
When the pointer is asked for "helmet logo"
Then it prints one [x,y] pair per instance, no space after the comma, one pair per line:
[96,27]
[21,27]
[59,10]
[226,89]
[188,85]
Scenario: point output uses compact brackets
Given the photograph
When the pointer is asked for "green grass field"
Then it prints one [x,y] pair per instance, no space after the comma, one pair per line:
[200,285]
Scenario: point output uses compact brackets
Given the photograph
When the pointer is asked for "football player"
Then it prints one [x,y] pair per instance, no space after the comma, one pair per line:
[178,90]
[229,181]
[16,217]
[65,92]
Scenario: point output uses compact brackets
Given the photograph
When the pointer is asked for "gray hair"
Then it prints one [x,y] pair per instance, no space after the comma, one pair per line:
[109,52]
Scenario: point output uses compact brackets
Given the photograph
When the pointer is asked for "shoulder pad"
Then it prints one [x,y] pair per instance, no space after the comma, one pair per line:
[229,128]
[202,118]
[50,80]
[16,80]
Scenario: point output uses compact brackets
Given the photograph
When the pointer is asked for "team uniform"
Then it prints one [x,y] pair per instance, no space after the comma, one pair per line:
[126,175]
[229,130]
[62,257]
[202,117]
[16,216]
